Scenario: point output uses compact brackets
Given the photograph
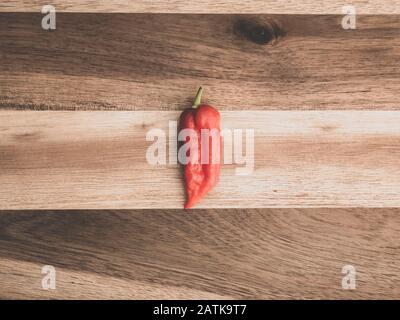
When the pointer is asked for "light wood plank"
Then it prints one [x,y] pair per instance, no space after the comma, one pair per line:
[206,6]
[166,254]
[157,62]
[97,160]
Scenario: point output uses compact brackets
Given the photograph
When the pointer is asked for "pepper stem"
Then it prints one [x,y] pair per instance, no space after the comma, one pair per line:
[197,99]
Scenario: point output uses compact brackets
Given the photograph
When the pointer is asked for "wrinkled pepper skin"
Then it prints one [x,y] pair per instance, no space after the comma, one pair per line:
[201,178]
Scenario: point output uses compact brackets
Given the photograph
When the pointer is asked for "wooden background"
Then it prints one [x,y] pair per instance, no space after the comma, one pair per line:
[290,58]
[206,6]
[98,160]
[157,61]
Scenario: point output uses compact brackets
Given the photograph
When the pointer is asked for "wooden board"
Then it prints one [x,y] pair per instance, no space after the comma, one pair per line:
[206,6]
[97,160]
[157,61]
[293,57]
[261,254]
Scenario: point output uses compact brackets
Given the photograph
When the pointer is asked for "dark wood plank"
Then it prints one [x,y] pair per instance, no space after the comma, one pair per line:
[218,254]
[157,61]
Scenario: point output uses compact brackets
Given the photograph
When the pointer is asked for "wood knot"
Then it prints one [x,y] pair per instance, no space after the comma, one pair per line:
[260,32]
[28,136]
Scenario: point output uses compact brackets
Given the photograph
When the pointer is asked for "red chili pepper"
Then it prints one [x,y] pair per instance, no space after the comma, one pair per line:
[201,175]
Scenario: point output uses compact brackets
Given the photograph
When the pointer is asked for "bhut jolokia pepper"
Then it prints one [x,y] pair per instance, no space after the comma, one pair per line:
[202,174]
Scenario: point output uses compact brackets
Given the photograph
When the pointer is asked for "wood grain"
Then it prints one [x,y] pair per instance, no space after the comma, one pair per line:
[97,160]
[263,254]
[157,62]
[206,6]
[291,58]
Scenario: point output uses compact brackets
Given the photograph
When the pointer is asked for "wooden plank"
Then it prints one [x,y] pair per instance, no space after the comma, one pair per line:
[206,6]
[22,280]
[157,61]
[159,254]
[97,160]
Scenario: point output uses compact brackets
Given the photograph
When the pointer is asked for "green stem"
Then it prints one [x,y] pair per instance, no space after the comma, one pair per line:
[198,98]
